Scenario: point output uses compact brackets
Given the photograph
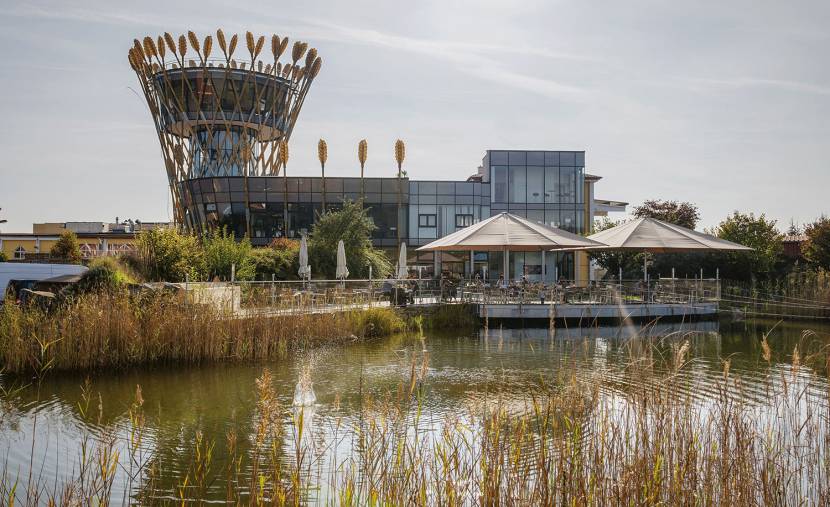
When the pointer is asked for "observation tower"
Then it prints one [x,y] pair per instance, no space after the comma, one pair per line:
[221,112]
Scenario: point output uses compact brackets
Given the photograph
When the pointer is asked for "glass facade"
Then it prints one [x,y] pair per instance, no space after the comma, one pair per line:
[224,202]
[542,186]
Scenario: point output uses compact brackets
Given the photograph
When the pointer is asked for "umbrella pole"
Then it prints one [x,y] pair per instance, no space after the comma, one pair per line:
[506,266]
[543,266]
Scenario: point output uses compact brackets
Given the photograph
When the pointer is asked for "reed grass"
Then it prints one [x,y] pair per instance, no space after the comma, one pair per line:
[116,330]
[577,440]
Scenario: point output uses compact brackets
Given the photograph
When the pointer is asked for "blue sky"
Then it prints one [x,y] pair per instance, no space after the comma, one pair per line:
[724,104]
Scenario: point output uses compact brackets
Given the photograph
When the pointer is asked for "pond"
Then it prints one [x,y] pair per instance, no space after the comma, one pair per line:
[46,428]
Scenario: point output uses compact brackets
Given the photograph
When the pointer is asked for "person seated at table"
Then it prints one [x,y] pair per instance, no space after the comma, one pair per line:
[387,287]
[500,283]
[413,289]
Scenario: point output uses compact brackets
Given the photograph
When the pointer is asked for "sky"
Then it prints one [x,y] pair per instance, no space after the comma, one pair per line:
[723,104]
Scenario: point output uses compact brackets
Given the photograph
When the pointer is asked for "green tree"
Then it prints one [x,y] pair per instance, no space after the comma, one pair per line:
[353,225]
[817,247]
[167,255]
[67,247]
[3,257]
[758,233]
[223,254]
[684,214]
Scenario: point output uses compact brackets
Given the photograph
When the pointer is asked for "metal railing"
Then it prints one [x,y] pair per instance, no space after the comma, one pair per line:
[329,295]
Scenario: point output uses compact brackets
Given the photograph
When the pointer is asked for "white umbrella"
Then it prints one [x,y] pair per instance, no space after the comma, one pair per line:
[342,271]
[402,271]
[655,236]
[304,267]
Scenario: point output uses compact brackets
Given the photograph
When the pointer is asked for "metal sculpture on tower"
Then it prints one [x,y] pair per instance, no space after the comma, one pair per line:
[223,115]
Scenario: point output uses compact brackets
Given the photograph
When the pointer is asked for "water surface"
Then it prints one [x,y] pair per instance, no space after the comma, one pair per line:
[42,427]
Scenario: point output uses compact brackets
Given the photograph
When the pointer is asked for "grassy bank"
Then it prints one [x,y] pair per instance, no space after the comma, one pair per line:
[119,330]
[594,440]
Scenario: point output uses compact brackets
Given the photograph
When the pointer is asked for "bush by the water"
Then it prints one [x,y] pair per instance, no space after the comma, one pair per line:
[374,322]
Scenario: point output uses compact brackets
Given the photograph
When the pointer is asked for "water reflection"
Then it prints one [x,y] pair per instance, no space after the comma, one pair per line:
[452,376]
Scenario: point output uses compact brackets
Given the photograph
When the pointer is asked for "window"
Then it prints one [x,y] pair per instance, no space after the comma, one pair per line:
[517,182]
[20,253]
[536,184]
[499,183]
[567,182]
[426,221]
[463,221]
[551,184]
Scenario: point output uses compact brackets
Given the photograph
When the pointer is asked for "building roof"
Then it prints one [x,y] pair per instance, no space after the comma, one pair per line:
[506,231]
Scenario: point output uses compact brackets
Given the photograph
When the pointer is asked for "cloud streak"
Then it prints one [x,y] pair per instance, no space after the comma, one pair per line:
[470,58]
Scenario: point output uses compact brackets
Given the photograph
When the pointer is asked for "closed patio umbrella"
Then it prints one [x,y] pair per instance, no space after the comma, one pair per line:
[509,233]
[402,269]
[342,271]
[305,269]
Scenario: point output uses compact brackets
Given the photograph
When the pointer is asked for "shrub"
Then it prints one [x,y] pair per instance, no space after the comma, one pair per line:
[281,260]
[223,254]
[167,255]
[375,322]
[3,257]
[67,247]
[105,275]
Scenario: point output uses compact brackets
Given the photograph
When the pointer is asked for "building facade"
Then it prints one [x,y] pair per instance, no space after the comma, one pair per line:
[96,239]
[549,187]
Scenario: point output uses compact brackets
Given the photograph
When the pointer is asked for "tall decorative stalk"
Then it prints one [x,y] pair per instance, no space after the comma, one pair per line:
[323,154]
[362,153]
[400,153]
[283,156]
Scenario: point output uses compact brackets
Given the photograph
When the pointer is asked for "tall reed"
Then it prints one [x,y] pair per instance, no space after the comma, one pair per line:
[116,330]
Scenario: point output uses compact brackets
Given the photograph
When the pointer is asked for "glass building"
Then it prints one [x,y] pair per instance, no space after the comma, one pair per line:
[549,187]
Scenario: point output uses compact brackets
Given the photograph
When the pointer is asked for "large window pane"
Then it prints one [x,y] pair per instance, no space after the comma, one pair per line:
[535,158]
[499,183]
[498,157]
[552,217]
[517,182]
[446,188]
[552,184]
[567,182]
[579,173]
[568,220]
[518,158]
[536,216]
[535,184]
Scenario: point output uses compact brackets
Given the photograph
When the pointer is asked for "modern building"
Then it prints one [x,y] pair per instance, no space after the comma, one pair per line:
[224,126]
[549,187]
